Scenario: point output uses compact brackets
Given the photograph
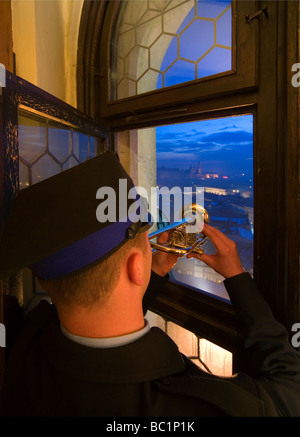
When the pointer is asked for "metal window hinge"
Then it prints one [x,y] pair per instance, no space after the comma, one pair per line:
[257,14]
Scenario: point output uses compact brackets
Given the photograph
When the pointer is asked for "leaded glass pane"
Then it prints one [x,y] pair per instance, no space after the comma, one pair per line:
[80,146]
[44,168]
[24,175]
[48,147]
[160,44]
[59,141]
[71,162]
[94,146]
[32,137]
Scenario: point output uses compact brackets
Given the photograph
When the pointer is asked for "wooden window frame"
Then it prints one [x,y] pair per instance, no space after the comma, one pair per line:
[243,75]
[263,88]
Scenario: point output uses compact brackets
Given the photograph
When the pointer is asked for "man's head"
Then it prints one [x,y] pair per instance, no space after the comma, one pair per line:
[54,228]
[91,287]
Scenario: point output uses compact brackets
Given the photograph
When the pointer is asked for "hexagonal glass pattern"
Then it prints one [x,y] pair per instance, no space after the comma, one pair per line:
[181,71]
[96,146]
[59,141]
[157,44]
[200,31]
[24,175]
[171,42]
[93,147]
[44,168]
[212,62]
[211,9]
[71,162]
[47,148]
[80,146]
[210,357]
[136,63]
[32,137]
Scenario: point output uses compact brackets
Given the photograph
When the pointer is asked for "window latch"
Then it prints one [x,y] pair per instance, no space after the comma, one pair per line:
[257,14]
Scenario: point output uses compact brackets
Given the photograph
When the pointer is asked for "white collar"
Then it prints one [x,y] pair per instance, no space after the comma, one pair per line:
[106,342]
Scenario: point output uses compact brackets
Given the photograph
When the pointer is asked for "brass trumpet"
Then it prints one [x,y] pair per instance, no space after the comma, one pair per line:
[182,242]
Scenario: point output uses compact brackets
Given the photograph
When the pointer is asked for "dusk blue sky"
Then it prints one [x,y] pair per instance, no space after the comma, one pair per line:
[222,145]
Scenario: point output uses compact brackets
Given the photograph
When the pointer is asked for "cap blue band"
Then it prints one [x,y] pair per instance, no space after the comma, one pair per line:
[83,252]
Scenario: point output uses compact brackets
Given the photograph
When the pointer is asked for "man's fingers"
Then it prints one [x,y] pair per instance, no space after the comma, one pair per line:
[219,240]
[213,233]
[202,257]
[163,238]
[226,261]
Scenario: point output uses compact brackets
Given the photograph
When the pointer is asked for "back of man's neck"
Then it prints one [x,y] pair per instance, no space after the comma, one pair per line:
[103,323]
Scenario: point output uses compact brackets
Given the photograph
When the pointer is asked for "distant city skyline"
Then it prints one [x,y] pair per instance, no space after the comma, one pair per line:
[223,145]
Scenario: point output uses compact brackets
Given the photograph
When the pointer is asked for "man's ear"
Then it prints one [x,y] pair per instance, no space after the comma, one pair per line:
[135,268]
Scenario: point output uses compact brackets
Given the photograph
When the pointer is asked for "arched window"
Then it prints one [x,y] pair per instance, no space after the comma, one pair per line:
[161,44]
[158,44]
[131,82]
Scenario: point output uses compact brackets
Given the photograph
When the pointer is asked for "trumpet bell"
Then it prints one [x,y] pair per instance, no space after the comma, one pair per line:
[185,236]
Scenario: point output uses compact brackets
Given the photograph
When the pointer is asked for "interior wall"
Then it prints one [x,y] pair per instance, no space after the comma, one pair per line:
[45,40]
[6,53]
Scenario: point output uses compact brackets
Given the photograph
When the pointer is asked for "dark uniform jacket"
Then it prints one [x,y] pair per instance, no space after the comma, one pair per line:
[49,375]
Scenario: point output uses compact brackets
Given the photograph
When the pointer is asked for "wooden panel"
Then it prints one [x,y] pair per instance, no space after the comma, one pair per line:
[40,101]
[292,203]
[2,154]
[2,351]
[9,183]
[87,73]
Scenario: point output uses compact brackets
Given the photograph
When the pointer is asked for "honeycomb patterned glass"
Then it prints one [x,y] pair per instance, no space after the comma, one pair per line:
[210,357]
[32,138]
[161,43]
[47,148]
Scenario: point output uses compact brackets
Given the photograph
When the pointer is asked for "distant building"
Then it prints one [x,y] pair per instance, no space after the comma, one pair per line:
[212,176]
[221,191]
[194,172]
[213,190]
[165,176]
